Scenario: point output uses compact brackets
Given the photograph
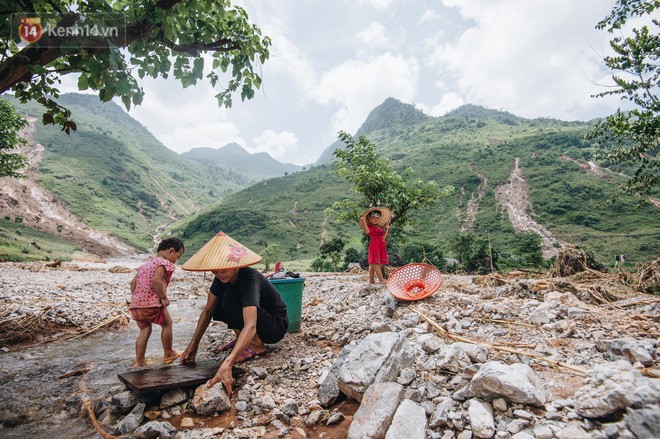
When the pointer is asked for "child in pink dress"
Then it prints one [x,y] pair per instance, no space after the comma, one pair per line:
[149,299]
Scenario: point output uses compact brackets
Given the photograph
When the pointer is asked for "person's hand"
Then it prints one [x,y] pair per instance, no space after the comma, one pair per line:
[188,356]
[223,375]
[165,302]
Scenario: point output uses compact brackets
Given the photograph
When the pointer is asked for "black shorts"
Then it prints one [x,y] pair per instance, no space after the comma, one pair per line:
[270,327]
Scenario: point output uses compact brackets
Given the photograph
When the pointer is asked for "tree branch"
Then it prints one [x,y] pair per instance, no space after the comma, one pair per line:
[17,68]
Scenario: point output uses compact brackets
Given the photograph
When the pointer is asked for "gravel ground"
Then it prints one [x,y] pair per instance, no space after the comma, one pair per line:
[340,308]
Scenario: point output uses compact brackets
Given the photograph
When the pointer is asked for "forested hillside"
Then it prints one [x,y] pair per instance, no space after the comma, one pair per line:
[475,150]
[115,176]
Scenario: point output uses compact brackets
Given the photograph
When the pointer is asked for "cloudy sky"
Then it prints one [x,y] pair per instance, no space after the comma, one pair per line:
[333,61]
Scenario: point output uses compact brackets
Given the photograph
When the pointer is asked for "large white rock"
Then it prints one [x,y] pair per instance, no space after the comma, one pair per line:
[515,383]
[611,387]
[378,406]
[376,359]
[481,418]
[409,421]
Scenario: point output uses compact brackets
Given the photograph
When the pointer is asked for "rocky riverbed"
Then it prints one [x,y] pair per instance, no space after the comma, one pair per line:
[485,356]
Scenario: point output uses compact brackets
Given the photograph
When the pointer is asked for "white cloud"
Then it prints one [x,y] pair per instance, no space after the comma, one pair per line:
[276,144]
[377,4]
[359,86]
[448,102]
[374,35]
[185,118]
[429,15]
[202,134]
[532,58]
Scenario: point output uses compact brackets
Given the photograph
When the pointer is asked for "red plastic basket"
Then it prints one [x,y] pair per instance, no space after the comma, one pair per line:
[414,281]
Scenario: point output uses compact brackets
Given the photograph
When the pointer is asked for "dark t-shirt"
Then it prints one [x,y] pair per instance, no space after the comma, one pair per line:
[250,289]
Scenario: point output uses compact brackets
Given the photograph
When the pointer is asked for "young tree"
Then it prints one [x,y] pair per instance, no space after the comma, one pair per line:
[633,138]
[332,250]
[377,181]
[154,38]
[10,124]
[270,253]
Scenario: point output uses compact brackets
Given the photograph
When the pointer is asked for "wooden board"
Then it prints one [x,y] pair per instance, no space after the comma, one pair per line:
[170,377]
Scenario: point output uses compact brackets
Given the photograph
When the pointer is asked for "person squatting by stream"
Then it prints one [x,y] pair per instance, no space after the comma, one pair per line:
[241,297]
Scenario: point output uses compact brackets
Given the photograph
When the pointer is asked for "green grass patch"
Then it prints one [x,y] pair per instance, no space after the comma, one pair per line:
[20,243]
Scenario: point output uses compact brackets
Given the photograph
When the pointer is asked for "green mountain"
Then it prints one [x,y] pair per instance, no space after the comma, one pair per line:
[471,148]
[115,176]
[238,162]
[391,114]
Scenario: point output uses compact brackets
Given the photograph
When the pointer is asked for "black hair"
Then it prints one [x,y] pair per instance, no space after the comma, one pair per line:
[375,213]
[174,243]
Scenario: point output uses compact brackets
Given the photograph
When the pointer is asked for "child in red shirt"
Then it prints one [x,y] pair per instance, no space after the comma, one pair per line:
[149,299]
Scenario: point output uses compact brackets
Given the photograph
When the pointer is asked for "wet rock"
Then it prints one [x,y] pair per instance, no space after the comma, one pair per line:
[515,383]
[379,403]
[210,400]
[173,397]
[612,387]
[377,358]
[131,421]
[124,401]
[156,430]
[409,421]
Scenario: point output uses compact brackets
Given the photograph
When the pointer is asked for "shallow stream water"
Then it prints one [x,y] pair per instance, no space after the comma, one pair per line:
[36,402]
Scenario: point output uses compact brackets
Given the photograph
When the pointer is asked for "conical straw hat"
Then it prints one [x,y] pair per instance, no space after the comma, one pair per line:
[385,215]
[220,253]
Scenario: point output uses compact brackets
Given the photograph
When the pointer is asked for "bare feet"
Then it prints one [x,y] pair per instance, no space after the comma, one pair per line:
[171,357]
[139,364]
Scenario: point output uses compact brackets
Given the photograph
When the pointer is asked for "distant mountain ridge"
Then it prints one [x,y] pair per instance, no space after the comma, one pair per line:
[235,159]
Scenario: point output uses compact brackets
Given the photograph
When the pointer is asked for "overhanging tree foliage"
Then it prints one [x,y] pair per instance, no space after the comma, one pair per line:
[633,138]
[10,124]
[157,38]
[380,184]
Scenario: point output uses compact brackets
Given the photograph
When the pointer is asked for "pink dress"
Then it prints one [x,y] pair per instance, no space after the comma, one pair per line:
[377,247]
[144,295]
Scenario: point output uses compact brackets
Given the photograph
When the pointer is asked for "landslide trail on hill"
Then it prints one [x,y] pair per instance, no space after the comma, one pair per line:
[473,203]
[42,209]
[513,195]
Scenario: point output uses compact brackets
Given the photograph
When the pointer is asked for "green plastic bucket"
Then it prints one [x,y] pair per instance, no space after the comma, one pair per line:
[291,291]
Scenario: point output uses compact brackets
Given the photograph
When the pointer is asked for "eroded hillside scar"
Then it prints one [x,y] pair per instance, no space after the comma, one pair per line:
[41,209]
[513,195]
